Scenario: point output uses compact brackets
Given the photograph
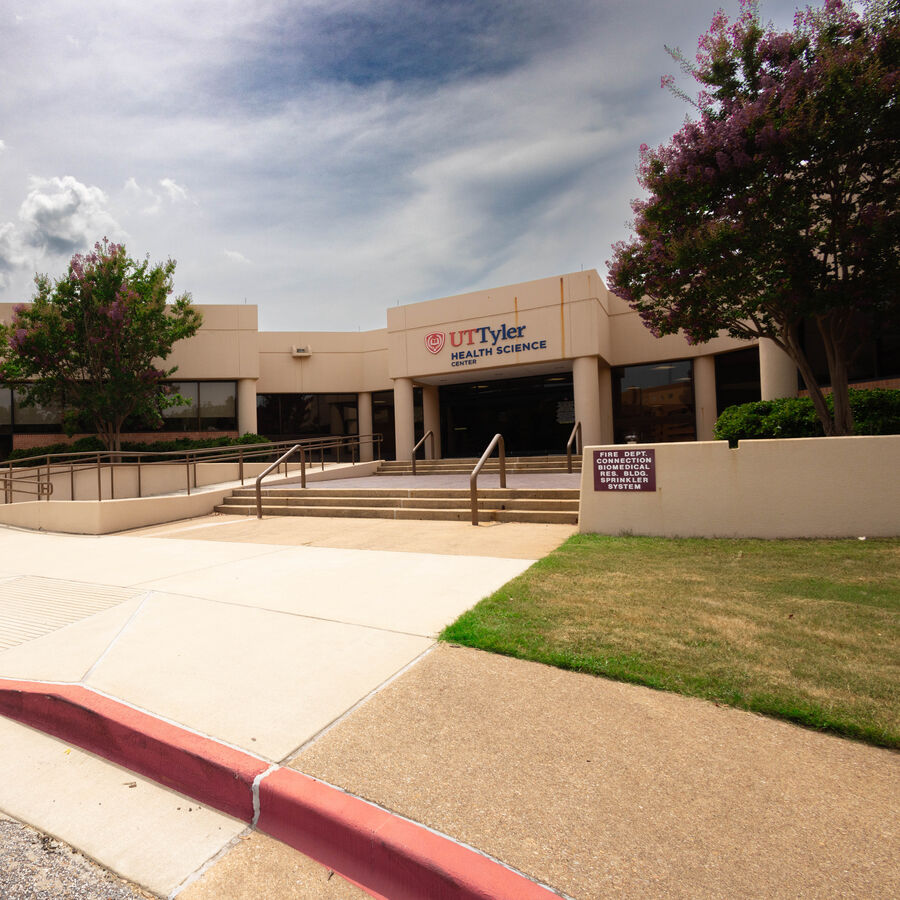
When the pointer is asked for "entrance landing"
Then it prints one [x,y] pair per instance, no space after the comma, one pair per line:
[486,481]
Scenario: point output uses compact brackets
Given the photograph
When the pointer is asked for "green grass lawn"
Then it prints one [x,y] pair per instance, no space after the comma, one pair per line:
[804,630]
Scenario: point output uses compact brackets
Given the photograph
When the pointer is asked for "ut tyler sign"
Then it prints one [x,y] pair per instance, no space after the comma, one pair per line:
[478,343]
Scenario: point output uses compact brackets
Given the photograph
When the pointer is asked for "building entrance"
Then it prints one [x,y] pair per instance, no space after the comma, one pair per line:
[534,415]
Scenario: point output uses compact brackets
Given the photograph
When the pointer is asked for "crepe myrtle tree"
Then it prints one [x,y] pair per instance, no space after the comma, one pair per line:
[93,340]
[777,203]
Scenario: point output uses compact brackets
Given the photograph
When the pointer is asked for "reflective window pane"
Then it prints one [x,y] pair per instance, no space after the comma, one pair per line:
[218,405]
[36,418]
[654,403]
[5,406]
[184,416]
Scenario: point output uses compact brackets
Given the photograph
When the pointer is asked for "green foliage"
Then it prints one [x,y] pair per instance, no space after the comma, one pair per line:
[92,339]
[92,444]
[875,411]
[779,203]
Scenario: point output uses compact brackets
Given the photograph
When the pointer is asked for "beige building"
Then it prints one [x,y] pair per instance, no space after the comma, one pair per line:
[527,360]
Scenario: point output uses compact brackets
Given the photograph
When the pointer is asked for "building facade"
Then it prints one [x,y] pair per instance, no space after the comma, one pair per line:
[527,360]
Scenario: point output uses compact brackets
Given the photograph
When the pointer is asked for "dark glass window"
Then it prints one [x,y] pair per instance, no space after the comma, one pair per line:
[36,419]
[290,416]
[655,403]
[534,415]
[5,407]
[209,406]
[383,421]
[218,405]
[183,417]
[737,378]
[878,355]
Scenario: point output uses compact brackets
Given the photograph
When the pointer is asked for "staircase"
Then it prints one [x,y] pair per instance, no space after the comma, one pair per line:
[547,505]
[534,464]
[557,506]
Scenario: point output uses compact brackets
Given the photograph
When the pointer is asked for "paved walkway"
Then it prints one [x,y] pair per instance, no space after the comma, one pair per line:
[322,658]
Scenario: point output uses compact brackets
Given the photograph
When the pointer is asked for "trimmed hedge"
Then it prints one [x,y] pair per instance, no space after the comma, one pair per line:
[875,411]
[92,444]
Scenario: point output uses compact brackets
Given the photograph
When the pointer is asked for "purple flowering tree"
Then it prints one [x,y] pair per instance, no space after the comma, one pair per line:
[777,205]
[94,339]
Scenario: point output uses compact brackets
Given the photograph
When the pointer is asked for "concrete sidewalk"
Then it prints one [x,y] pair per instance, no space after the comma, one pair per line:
[260,646]
[242,633]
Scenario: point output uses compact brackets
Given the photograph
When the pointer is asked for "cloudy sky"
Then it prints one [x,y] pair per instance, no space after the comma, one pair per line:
[325,159]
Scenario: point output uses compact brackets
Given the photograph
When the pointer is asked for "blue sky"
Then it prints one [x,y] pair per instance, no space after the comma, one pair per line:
[326,160]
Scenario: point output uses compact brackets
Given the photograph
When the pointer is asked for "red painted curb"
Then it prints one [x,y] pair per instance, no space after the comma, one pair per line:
[214,774]
[392,856]
[384,854]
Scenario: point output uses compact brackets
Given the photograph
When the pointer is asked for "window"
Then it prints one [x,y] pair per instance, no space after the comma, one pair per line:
[36,419]
[737,378]
[288,416]
[5,408]
[654,403]
[209,406]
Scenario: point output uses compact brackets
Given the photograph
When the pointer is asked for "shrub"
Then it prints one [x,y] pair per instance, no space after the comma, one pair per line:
[92,444]
[875,411]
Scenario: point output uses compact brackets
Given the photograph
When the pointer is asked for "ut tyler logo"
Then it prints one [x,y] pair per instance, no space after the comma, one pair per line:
[435,341]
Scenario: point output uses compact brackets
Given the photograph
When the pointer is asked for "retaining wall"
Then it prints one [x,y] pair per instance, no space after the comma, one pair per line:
[802,487]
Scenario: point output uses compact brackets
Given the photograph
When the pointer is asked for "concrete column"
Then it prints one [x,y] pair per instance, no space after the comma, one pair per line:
[404,421]
[431,417]
[607,435]
[705,396]
[777,372]
[246,406]
[364,420]
[586,385]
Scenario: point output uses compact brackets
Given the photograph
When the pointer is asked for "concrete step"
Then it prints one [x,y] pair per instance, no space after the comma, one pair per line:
[453,493]
[494,504]
[380,512]
[311,500]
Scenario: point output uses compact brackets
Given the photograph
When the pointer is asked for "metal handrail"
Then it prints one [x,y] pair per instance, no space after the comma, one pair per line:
[427,434]
[41,468]
[281,459]
[575,430]
[473,478]
[36,485]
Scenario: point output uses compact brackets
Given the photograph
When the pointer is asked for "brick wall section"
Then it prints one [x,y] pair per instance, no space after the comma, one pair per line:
[29,441]
[891,383]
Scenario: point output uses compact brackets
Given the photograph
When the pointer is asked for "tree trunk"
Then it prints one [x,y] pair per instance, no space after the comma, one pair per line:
[833,333]
[790,343]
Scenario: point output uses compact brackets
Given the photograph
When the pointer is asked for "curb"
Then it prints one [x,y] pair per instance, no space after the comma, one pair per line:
[387,855]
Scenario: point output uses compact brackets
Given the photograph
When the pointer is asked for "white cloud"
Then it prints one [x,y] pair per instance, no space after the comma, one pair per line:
[62,215]
[174,191]
[12,253]
[408,189]
[144,200]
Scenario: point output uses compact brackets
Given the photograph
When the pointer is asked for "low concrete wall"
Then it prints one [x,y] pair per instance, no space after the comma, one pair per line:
[124,481]
[109,516]
[803,487]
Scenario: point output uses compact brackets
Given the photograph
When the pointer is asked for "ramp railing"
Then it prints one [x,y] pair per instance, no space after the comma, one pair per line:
[35,475]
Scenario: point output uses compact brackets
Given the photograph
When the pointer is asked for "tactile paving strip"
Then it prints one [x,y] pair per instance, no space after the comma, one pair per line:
[31,607]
